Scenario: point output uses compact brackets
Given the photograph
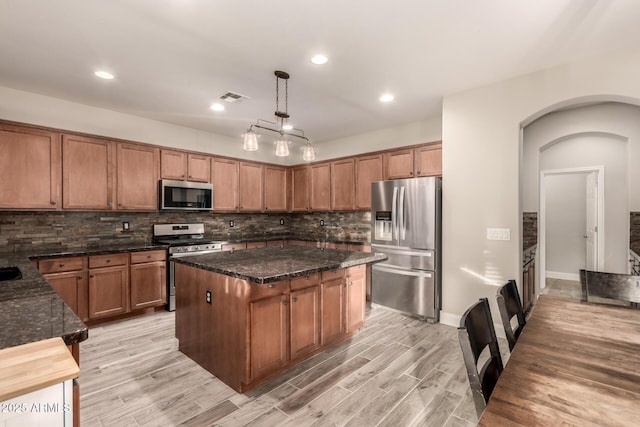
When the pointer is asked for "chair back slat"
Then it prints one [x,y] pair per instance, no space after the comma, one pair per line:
[476,332]
[621,287]
[509,305]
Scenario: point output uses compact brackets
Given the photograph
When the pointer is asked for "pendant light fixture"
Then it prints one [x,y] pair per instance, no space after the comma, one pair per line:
[280,126]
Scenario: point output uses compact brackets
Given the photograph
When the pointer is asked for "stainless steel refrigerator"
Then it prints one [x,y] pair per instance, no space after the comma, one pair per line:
[406,226]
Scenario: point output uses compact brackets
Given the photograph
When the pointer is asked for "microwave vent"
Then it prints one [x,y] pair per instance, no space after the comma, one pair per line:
[233,97]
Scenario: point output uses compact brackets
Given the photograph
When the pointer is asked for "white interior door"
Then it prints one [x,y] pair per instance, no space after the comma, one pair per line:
[591,233]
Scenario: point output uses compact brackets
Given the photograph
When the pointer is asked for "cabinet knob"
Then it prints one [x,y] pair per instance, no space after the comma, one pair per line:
[61,264]
[108,260]
[92,275]
[109,204]
[182,176]
[295,299]
[344,285]
[271,286]
[410,173]
[148,256]
[285,302]
[189,176]
[79,277]
[266,208]
[419,172]
[53,203]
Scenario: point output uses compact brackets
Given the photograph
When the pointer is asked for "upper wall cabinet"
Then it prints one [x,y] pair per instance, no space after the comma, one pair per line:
[87,173]
[368,170]
[412,162]
[320,199]
[342,185]
[300,185]
[138,174]
[251,191]
[398,164]
[429,160]
[276,188]
[30,168]
[225,184]
[182,166]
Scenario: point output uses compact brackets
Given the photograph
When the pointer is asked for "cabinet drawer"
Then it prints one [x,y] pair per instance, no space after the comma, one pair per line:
[358,270]
[59,265]
[269,290]
[332,274]
[234,247]
[98,261]
[254,245]
[305,281]
[148,256]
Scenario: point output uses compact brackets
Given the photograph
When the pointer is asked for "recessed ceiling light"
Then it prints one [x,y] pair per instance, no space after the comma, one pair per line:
[217,107]
[319,59]
[104,75]
[387,97]
[287,127]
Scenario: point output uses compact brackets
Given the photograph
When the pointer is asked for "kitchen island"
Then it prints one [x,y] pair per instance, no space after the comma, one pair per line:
[246,316]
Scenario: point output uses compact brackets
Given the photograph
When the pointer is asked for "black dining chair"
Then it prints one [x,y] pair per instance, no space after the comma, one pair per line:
[621,287]
[475,333]
[510,306]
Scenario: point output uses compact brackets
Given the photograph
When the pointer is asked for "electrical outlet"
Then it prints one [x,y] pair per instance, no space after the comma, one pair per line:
[498,234]
[322,223]
[232,223]
[281,221]
[125,226]
[208,296]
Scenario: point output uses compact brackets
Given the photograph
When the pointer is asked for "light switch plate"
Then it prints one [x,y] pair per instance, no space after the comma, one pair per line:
[498,234]
[322,223]
[125,225]
[232,223]
[281,221]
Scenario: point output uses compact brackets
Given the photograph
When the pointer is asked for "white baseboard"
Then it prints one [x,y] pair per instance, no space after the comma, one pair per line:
[562,276]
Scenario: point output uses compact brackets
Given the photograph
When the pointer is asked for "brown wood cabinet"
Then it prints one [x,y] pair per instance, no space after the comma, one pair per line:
[332,308]
[368,170]
[108,285]
[30,168]
[355,291]
[398,164]
[198,168]
[269,335]
[276,189]
[429,160]
[225,184]
[138,174]
[255,245]
[320,199]
[305,321]
[251,186]
[234,246]
[88,173]
[69,278]
[67,285]
[182,166]
[343,185]
[300,188]
[148,279]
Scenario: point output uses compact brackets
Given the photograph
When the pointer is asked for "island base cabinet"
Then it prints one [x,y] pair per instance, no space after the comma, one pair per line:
[332,310]
[355,290]
[268,334]
[305,321]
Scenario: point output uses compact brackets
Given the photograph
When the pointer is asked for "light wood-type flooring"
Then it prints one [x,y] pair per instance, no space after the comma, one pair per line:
[397,371]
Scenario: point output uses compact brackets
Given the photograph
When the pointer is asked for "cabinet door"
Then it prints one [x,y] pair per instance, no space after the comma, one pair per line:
[332,310]
[368,170]
[269,328]
[148,284]
[300,186]
[199,168]
[138,172]
[67,286]
[342,185]
[173,165]
[275,188]
[108,294]
[398,164]
[355,298]
[30,168]
[320,187]
[87,173]
[251,191]
[305,321]
[225,184]
[429,160]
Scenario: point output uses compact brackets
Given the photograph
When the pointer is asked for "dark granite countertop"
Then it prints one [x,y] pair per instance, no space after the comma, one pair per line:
[271,264]
[31,310]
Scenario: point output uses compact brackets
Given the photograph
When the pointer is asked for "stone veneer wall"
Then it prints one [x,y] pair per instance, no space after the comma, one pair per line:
[634,231]
[52,232]
[529,229]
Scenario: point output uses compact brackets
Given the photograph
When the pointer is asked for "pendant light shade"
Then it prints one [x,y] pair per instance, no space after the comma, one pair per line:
[308,153]
[282,148]
[250,141]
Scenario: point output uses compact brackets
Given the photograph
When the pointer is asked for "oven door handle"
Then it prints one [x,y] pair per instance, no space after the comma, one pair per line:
[184,254]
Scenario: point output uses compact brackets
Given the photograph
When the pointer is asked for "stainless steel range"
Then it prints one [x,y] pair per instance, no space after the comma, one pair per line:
[183,240]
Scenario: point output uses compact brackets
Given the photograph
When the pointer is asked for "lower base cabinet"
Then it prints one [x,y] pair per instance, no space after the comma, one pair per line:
[355,290]
[305,321]
[108,288]
[268,334]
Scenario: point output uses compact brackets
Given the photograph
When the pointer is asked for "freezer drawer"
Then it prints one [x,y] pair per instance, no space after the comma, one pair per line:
[407,258]
[410,291]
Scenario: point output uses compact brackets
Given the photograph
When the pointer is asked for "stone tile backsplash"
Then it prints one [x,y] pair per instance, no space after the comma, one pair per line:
[52,232]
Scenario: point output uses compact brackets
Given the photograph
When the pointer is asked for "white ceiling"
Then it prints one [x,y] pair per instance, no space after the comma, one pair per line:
[173,58]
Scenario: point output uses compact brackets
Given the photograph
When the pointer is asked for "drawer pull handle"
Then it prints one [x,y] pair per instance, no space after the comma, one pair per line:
[79,277]
[92,276]
[295,299]
[271,286]
[148,256]
[62,264]
[285,302]
[108,260]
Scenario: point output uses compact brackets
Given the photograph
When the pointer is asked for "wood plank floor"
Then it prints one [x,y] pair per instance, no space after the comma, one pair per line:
[397,371]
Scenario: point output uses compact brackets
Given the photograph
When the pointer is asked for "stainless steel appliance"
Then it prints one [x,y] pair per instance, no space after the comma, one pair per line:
[406,226]
[185,195]
[183,240]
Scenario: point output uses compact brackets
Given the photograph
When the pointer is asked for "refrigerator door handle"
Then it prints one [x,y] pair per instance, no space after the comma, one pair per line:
[403,225]
[394,214]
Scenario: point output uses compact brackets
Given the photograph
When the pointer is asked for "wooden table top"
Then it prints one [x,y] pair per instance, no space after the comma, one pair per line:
[574,364]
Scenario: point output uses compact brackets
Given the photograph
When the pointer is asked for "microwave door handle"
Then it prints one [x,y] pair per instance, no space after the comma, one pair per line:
[403,225]
[394,216]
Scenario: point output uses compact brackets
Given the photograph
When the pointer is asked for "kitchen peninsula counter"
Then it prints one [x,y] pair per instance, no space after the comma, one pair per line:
[248,315]
[272,264]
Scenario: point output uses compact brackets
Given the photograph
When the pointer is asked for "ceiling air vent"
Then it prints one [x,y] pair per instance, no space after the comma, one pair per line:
[232,97]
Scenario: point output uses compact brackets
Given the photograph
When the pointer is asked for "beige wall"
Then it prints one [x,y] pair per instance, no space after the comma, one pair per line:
[481,131]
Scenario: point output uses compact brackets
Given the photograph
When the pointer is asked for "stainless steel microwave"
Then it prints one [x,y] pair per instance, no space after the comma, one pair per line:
[182,195]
